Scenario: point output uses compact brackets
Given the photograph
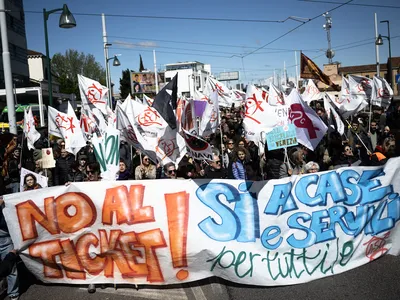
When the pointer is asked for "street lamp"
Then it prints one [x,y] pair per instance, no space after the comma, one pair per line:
[67,20]
[116,63]
[379,42]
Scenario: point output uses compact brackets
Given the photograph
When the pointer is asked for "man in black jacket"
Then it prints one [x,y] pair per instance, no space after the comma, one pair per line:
[215,169]
[63,167]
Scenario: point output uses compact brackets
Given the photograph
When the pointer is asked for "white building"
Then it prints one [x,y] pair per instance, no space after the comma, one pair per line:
[38,72]
[191,76]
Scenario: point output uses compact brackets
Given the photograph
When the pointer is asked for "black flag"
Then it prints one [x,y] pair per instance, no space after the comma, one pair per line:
[141,67]
[166,101]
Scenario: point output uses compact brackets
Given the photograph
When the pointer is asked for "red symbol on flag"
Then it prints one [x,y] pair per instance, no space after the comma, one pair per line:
[252,105]
[300,119]
[166,146]
[65,122]
[149,117]
[95,94]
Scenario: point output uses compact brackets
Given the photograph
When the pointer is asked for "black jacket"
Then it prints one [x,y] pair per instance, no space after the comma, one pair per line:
[76,176]
[63,167]
[211,173]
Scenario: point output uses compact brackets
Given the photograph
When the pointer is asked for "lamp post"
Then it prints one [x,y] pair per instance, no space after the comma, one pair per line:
[379,42]
[116,63]
[67,20]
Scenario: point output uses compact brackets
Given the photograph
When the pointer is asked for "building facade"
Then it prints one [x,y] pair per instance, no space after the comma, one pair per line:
[335,72]
[191,76]
[17,44]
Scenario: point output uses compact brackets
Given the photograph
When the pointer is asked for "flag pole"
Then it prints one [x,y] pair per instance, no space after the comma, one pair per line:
[155,70]
[366,148]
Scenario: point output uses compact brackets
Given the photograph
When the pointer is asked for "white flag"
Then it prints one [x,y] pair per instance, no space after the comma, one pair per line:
[259,116]
[30,132]
[53,115]
[67,127]
[333,116]
[93,94]
[347,104]
[132,135]
[382,92]
[311,92]
[210,120]
[310,129]
[166,142]
[224,94]
[147,100]
[275,97]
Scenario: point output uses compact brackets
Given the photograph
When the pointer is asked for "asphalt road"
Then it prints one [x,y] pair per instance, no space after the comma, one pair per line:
[376,280]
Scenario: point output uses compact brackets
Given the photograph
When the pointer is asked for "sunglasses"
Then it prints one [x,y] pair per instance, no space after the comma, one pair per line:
[230,143]
[90,172]
[171,171]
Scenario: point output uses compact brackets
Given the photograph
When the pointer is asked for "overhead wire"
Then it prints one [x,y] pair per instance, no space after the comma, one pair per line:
[353,4]
[294,29]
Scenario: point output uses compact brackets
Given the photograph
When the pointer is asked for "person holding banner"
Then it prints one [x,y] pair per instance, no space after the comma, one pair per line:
[146,170]
[123,173]
[241,168]
[215,170]
[294,165]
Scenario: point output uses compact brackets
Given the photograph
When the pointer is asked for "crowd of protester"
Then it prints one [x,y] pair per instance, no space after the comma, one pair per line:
[370,140]
[366,142]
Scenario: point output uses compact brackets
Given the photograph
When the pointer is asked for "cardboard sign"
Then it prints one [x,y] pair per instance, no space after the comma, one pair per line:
[48,161]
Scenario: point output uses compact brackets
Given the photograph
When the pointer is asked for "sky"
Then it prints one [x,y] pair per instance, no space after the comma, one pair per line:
[249,44]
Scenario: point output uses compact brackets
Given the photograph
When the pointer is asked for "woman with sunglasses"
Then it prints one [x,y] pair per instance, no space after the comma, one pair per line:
[145,170]
[347,158]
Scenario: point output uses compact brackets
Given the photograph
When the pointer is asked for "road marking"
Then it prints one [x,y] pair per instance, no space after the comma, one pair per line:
[198,293]
[155,294]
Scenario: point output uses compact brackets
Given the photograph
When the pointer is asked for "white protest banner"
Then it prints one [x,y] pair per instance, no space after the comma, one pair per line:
[40,179]
[276,232]
[48,160]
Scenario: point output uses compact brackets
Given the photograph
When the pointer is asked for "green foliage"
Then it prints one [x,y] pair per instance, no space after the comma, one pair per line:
[66,67]
[125,83]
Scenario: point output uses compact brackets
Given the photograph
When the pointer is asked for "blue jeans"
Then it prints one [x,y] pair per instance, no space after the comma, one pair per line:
[6,245]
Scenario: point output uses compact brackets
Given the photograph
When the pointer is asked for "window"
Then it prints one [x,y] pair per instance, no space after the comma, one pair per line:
[15,25]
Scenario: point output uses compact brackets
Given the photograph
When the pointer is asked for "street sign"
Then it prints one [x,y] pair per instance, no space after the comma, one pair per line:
[226,76]
[398,78]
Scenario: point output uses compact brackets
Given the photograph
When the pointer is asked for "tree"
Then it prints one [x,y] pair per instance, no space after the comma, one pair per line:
[66,68]
[125,83]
